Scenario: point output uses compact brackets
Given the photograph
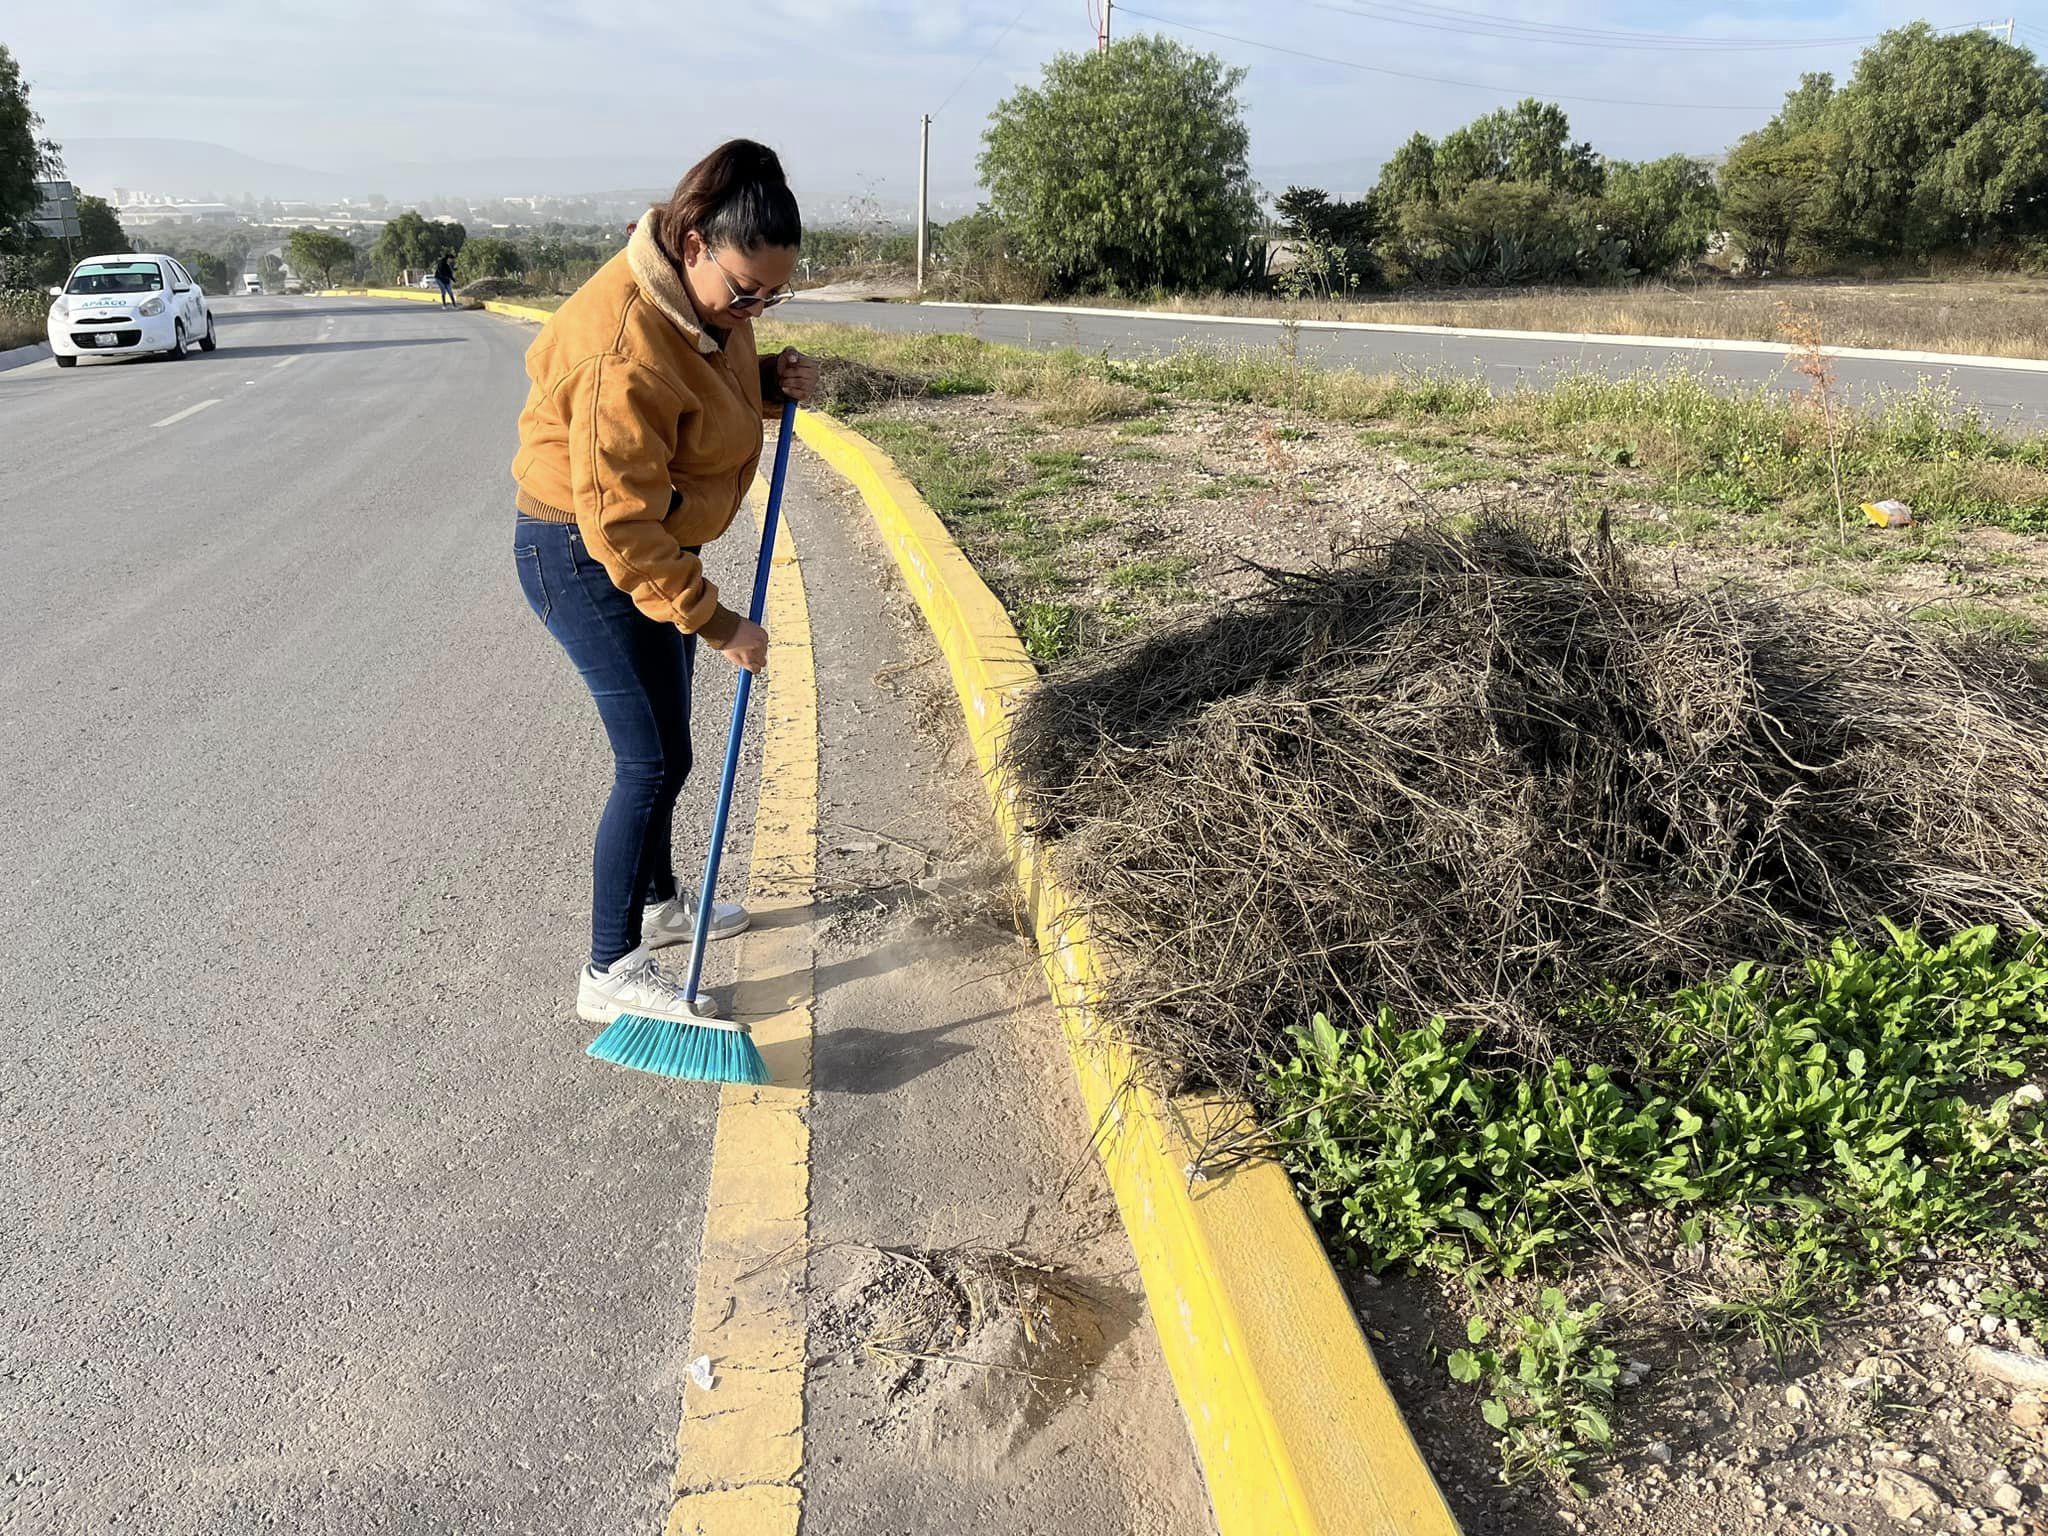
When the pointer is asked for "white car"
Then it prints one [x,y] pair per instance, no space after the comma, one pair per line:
[114,305]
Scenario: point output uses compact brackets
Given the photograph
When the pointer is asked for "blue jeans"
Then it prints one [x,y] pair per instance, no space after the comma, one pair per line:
[447,291]
[638,672]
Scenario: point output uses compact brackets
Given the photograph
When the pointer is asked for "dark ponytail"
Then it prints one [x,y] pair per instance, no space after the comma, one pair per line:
[735,197]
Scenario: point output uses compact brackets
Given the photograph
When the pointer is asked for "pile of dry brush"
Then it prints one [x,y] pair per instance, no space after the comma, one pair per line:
[1481,776]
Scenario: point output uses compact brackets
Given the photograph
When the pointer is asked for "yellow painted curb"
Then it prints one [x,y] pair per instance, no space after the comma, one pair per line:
[740,1446]
[421,296]
[1293,1423]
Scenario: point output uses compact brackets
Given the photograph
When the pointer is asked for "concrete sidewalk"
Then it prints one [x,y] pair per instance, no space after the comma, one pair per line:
[945,1119]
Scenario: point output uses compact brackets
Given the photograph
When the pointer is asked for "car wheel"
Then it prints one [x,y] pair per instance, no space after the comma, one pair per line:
[208,342]
[177,344]
[65,362]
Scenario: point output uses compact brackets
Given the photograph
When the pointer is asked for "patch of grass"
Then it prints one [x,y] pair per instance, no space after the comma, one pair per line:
[1144,426]
[1159,574]
[1836,1123]
[1061,460]
[24,317]
[961,485]
[1452,467]
[1809,1138]
[1982,620]
[1050,631]
[2022,1302]
[1234,484]
[1547,1385]
[1741,451]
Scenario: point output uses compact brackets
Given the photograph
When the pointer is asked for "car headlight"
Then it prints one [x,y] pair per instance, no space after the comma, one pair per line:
[153,306]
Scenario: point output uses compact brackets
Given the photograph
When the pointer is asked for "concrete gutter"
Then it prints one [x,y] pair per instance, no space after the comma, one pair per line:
[21,357]
[1585,338]
[1290,1416]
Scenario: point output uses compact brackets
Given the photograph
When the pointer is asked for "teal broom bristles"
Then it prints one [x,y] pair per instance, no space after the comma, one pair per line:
[702,1053]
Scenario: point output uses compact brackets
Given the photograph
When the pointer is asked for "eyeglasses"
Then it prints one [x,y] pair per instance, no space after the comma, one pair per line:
[741,298]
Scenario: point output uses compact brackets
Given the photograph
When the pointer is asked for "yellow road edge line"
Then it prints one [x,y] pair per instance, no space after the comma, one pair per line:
[1296,1431]
[421,296]
[740,1445]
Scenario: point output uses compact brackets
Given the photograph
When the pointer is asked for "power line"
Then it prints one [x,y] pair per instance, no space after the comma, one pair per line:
[1440,18]
[1468,85]
[985,56]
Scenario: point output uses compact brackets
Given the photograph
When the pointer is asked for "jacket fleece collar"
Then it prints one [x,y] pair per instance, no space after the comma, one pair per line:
[658,279]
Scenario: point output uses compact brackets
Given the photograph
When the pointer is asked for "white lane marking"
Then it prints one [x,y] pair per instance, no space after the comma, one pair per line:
[190,410]
[286,362]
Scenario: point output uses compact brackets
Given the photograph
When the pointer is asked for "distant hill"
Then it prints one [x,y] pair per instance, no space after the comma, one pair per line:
[188,168]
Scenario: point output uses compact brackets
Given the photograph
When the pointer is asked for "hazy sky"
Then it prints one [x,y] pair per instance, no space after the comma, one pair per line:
[342,85]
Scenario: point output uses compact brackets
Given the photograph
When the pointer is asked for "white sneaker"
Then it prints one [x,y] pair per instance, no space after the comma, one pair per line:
[635,985]
[675,921]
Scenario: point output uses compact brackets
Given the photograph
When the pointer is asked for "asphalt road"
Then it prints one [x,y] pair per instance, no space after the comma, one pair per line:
[316,1216]
[1503,362]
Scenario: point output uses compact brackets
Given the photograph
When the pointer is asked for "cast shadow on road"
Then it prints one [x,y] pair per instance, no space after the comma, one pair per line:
[238,314]
[861,1060]
[229,350]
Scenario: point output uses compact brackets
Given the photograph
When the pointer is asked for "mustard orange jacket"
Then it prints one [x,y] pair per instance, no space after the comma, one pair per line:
[644,432]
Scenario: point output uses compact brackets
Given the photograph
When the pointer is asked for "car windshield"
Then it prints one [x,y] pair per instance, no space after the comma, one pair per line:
[117,277]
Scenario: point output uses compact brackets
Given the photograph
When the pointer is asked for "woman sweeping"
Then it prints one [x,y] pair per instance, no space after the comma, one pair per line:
[637,444]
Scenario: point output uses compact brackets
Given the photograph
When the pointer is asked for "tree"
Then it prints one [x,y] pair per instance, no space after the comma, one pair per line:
[1664,211]
[1311,213]
[1938,141]
[100,228]
[26,157]
[1509,232]
[1530,142]
[1408,177]
[212,271]
[410,242]
[1945,140]
[1332,241]
[489,258]
[1774,195]
[99,233]
[976,258]
[1806,107]
[1125,168]
[316,250]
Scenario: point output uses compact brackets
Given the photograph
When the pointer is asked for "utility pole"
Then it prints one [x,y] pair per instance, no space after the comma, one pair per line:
[1102,37]
[2008,29]
[924,212]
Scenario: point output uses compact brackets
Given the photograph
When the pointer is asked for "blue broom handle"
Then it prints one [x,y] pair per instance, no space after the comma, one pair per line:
[756,606]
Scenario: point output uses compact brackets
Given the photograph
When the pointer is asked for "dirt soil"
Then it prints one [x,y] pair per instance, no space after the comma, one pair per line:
[1129,522]
[1880,1424]
[980,1354]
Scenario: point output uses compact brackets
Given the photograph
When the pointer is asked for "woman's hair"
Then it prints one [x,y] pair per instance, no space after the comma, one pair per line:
[736,197]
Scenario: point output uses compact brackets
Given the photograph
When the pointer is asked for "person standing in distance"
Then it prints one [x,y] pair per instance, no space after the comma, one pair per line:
[444,279]
[638,441]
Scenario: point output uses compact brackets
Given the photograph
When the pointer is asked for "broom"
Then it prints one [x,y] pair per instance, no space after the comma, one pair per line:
[710,1050]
